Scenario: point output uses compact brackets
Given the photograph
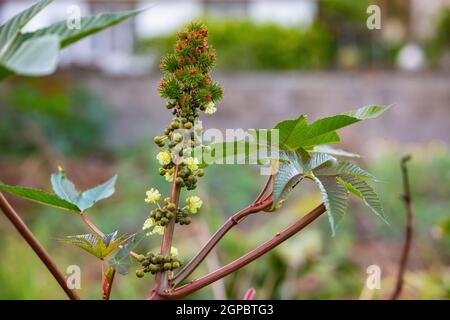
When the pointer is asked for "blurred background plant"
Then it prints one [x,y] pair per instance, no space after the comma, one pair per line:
[98,115]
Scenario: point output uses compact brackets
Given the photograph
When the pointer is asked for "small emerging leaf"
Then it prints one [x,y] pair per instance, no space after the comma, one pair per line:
[96,245]
[345,168]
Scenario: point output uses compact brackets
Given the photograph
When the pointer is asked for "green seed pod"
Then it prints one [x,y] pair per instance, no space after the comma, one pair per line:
[153,269]
[152,214]
[164,221]
[180,181]
[146,263]
[200,173]
[192,179]
[175,265]
[140,273]
[157,140]
[167,266]
[188,125]
[171,207]
[175,125]
[158,215]
[187,220]
[162,171]
[154,260]
[170,215]
[140,258]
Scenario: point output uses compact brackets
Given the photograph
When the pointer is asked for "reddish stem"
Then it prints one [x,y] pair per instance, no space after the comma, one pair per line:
[33,242]
[161,279]
[250,294]
[107,281]
[212,242]
[246,259]
[408,231]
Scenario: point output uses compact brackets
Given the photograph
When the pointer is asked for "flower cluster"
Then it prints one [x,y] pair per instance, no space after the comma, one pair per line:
[155,262]
[189,89]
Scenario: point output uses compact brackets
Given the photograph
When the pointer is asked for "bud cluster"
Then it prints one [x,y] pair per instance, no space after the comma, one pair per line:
[154,263]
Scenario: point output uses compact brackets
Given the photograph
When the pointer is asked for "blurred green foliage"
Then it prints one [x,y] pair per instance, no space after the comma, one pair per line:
[440,43]
[246,45]
[310,265]
[36,114]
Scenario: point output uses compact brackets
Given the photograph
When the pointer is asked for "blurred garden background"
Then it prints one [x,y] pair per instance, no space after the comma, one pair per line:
[98,113]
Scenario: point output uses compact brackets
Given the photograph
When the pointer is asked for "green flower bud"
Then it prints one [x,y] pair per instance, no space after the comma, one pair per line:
[167,266]
[140,258]
[171,207]
[140,273]
[175,265]
[188,125]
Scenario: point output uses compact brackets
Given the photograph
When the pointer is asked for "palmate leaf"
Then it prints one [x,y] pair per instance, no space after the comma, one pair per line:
[66,190]
[96,245]
[40,196]
[345,168]
[298,133]
[89,25]
[294,167]
[10,30]
[36,53]
[334,151]
[335,199]
[365,192]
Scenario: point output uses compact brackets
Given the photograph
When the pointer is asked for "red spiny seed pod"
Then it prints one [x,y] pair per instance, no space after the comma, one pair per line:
[207,97]
[213,57]
[193,73]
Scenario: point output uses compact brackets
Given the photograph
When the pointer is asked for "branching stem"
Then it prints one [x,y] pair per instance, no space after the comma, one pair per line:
[246,259]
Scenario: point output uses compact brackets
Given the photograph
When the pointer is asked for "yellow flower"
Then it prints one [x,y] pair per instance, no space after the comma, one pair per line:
[210,108]
[153,196]
[150,222]
[169,175]
[193,204]
[192,163]
[164,157]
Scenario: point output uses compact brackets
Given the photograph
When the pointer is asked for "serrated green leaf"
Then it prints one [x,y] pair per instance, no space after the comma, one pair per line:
[289,174]
[335,198]
[368,112]
[364,191]
[40,196]
[298,133]
[295,166]
[345,168]
[10,30]
[96,245]
[334,151]
[36,53]
[89,25]
[122,261]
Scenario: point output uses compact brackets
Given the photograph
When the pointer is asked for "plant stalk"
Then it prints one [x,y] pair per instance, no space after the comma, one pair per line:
[33,242]
[408,230]
[161,279]
[247,258]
